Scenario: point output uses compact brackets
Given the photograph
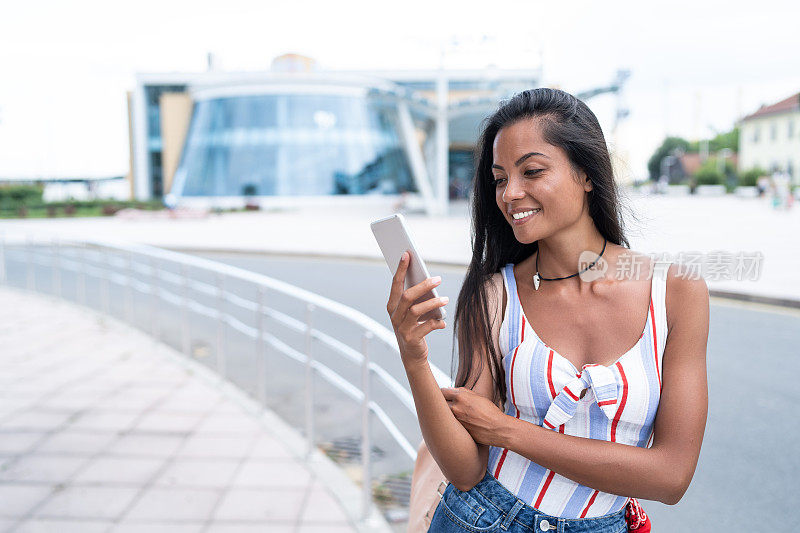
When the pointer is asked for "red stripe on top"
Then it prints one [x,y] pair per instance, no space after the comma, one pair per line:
[500,462]
[607,402]
[621,403]
[544,488]
[571,395]
[550,374]
[548,424]
[655,341]
[513,397]
[591,501]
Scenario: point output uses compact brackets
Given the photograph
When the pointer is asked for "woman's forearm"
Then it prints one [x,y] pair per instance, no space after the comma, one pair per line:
[450,444]
[605,466]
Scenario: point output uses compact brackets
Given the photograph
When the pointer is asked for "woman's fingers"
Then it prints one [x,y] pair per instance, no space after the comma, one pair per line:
[449,393]
[400,300]
[420,330]
[428,305]
[398,281]
[412,294]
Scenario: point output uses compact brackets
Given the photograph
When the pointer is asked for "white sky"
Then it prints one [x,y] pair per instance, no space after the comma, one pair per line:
[65,66]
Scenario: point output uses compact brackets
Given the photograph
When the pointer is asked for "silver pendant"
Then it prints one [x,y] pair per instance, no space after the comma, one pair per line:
[536,281]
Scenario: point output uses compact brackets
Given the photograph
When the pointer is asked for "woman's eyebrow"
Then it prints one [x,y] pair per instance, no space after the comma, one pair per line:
[522,159]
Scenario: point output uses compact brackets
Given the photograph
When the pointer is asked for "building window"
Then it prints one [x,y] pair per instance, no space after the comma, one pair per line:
[293,145]
[756,133]
[773,131]
[790,130]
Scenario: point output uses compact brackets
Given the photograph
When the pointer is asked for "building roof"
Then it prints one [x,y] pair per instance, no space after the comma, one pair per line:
[784,106]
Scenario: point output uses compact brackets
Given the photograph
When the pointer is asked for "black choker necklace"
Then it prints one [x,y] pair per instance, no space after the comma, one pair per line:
[537,277]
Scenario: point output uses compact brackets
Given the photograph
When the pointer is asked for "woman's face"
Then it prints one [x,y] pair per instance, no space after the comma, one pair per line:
[530,174]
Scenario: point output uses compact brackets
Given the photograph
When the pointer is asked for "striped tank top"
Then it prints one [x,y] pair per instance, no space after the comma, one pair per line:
[544,388]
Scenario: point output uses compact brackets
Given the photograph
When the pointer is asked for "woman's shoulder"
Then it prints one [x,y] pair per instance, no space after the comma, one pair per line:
[686,293]
[495,300]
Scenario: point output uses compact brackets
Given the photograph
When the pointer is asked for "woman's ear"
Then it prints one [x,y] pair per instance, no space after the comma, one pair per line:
[587,182]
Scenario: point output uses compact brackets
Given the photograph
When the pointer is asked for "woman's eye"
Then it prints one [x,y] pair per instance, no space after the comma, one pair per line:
[497,181]
[533,171]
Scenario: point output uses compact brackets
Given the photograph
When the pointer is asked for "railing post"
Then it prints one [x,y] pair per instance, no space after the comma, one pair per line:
[261,362]
[3,278]
[129,290]
[30,274]
[309,388]
[106,282]
[156,330]
[56,269]
[81,288]
[185,340]
[366,433]
[221,362]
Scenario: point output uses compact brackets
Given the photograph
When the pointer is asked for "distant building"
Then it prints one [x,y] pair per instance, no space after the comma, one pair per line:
[770,138]
[296,133]
[222,138]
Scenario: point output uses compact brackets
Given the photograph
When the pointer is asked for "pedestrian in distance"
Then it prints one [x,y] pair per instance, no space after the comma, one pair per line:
[577,391]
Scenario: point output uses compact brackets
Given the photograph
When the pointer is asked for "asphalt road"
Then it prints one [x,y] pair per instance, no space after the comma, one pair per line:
[745,477]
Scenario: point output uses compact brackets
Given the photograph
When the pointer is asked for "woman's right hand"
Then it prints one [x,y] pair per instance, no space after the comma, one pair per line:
[405,314]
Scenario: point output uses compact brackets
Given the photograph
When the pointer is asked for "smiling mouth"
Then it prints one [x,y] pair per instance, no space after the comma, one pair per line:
[526,216]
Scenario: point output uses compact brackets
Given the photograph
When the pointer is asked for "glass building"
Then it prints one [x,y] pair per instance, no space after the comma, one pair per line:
[225,138]
[154,141]
[281,143]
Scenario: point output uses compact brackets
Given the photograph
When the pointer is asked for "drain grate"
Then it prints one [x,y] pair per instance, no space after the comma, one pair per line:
[392,493]
[348,450]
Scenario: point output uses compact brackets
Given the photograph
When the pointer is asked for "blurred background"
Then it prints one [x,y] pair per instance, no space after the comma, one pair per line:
[206,173]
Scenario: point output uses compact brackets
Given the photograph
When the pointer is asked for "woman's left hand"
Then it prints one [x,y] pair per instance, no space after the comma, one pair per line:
[479,415]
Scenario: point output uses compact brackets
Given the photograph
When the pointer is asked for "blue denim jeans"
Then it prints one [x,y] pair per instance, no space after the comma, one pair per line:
[489,506]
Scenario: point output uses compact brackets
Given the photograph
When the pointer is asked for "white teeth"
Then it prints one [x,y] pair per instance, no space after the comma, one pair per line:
[518,216]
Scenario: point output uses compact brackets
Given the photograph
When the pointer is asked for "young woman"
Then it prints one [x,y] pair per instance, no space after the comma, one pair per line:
[581,381]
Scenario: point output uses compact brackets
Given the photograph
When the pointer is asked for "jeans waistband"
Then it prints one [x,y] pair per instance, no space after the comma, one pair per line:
[515,509]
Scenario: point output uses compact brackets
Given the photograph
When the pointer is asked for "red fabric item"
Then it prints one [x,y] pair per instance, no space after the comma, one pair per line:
[636,517]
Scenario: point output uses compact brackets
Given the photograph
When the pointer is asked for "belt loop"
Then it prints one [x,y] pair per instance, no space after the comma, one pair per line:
[519,504]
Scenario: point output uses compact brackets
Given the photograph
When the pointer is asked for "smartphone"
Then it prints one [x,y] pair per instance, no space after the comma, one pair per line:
[394,238]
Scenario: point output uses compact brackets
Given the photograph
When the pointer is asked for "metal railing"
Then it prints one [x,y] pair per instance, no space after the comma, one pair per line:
[143,269]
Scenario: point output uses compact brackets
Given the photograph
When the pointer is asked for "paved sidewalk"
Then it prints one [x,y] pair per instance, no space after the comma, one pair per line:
[102,429]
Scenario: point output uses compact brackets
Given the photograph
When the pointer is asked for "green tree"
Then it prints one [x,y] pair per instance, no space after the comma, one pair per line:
[709,174]
[749,177]
[669,145]
[728,140]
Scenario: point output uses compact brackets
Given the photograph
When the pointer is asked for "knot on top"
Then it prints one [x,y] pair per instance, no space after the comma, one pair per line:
[600,379]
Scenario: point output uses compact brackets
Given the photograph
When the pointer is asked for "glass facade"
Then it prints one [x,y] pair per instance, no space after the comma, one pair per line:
[153,94]
[293,144]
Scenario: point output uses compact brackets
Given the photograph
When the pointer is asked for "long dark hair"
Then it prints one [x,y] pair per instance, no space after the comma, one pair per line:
[569,124]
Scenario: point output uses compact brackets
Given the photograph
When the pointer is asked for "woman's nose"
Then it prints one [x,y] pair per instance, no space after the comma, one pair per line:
[513,190]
